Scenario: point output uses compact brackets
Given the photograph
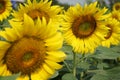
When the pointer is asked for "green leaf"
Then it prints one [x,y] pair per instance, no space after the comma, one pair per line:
[114,73]
[110,74]
[68,50]
[68,76]
[102,65]
[83,65]
[13,77]
[99,77]
[116,49]
[55,74]
[105,53]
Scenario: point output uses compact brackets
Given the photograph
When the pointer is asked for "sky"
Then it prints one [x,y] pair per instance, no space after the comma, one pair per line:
[73,2]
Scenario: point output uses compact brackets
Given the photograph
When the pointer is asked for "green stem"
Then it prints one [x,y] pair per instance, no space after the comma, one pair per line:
[81,59]
[67,66]
[74,64]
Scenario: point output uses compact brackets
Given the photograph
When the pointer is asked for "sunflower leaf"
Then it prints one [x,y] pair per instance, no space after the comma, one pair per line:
[110,74]
[68,76]
[68,50]
[105,53]
[13,77]
[55,75]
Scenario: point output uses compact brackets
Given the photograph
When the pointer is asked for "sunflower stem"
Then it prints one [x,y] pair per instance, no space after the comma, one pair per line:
[74,64]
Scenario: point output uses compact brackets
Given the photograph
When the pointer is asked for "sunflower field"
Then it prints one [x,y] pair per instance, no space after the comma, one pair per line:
[59,39]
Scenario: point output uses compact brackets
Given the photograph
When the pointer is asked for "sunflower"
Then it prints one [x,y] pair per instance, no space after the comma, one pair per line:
[116,6]
[113,36]
[38,9]
[84,27]
[5,8]
[115,15]
[31,48]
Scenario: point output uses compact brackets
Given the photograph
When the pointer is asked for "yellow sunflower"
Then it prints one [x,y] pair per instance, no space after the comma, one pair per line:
[31,48]
[38,9]
[113,36]
[115,15]
[84,27]
[5,8]
[116,6]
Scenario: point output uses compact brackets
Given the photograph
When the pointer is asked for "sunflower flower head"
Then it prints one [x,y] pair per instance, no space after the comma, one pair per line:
[116,6]
[113,35]
[40,9]
[115,14]
[5,8]
[83,27]
[31,48]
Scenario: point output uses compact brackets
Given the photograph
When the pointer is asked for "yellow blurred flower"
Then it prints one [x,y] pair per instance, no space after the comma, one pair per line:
[113,36]
[84,27]
[5,9]
[116,6]
[31,48]
[35,9]
[115,14]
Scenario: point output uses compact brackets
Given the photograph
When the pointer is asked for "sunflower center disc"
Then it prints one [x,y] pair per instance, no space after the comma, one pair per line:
[109,32]
[25,55]
[83,26]
[34,14]
[2,6]
[117,7]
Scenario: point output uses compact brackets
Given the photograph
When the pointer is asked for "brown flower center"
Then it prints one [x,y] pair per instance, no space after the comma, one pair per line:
[84,26]
[34,14]
[109,32]
[115,16]
[117,7]
[2,6]
[25,55]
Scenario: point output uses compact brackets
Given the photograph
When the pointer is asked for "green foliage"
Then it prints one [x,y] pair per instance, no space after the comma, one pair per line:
[13,77]
[106,53]
[68,76]
[55,75]
[102,65]
[111,74]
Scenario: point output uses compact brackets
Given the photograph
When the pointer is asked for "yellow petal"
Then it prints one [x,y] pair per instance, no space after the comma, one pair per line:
[53,64]
[48,69]
[44,74]
[4,71]
[55,42]
[36,76]
[23,78]
[28,25]
[3,48]
[57,56]
[9,34]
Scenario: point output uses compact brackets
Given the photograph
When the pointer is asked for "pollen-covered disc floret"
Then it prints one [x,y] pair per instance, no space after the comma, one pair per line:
[83,27]
[31,48]
[5,9]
